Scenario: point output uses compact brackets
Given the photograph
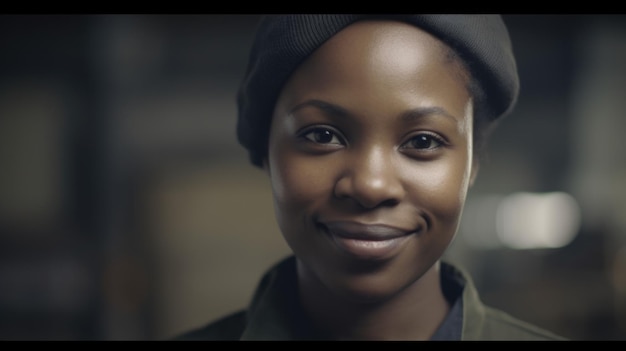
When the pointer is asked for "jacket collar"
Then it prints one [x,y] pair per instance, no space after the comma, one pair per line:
[276,314]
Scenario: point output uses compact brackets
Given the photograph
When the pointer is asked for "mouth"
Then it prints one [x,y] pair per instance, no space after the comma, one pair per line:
[367,241]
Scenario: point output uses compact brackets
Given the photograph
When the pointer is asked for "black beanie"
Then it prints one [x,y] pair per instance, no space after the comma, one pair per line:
[282,42]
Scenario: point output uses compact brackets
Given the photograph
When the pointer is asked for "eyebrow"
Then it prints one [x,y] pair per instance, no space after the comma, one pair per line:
[327,107]
[421,112]
[408,116]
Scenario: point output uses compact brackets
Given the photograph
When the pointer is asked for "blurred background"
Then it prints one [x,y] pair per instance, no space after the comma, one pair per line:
[122,187]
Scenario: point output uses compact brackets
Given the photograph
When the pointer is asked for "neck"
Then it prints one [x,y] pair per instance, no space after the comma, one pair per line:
[414,313]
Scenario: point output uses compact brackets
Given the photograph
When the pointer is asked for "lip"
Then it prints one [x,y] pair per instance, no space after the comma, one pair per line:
[367,241]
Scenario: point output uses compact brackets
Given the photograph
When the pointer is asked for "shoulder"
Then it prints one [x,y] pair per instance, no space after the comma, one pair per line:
[270,297]
[482,322]
[229,327]
[501,325]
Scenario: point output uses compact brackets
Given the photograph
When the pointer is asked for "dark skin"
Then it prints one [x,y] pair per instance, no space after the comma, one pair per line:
[370,160]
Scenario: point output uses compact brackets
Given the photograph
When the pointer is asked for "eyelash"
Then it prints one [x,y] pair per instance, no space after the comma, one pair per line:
[430,138]
[330,132]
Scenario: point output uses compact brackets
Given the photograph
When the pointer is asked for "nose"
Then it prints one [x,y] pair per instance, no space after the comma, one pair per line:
[370,178]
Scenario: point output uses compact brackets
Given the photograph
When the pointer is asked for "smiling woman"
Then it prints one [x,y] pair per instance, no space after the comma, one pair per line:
[365,231]
[367,127]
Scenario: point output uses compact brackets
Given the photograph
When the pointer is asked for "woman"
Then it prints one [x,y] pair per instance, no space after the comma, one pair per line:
[368,128]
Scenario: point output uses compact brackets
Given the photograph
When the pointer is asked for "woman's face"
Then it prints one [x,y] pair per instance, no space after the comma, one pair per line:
[370,158]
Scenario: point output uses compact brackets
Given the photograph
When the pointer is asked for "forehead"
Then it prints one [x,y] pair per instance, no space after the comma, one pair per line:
[380,65]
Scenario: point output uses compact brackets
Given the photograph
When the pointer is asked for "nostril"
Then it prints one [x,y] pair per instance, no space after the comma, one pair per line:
[371,203]
[370,178]
[367,197]
[389,202]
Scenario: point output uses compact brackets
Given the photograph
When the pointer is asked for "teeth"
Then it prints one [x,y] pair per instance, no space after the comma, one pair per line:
[371,243]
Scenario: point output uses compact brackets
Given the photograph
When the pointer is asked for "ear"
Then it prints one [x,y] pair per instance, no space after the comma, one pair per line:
[474,172]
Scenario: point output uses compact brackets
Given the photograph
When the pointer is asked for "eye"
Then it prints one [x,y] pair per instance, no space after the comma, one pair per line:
[321,135]
[424,141]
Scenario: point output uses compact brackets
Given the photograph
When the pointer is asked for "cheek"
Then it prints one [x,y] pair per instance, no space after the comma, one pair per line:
[298,182]
[443,187]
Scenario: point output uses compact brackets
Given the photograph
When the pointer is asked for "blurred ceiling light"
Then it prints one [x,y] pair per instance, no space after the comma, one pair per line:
[537,220]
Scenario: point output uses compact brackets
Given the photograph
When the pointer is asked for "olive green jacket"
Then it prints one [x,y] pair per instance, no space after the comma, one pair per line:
[275,314]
